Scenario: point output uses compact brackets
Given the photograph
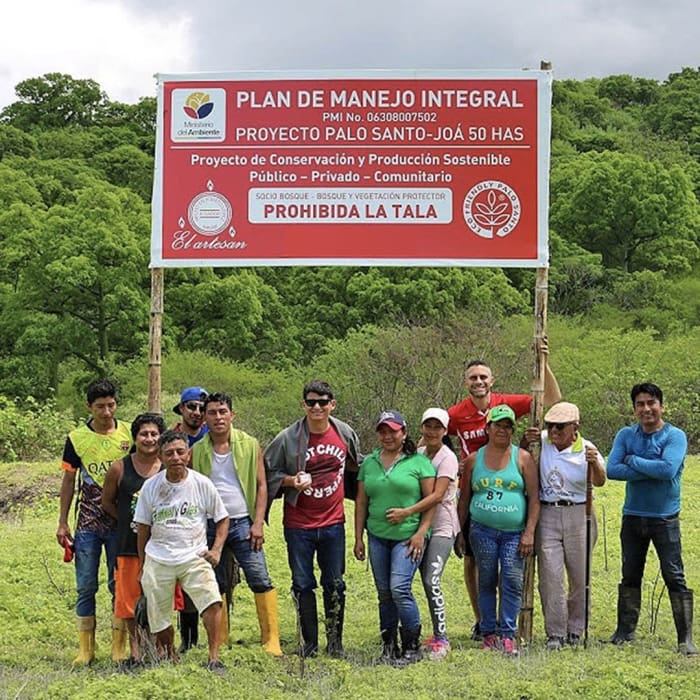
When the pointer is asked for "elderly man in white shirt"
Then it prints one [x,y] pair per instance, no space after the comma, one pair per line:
[560,541]
[171,515]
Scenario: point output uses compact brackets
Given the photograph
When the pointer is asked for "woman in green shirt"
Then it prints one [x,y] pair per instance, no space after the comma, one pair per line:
[394,476]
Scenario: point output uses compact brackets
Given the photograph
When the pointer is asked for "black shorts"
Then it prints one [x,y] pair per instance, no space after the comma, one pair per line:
[468,551]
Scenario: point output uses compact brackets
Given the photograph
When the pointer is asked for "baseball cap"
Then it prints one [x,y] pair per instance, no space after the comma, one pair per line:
[501,412]
[439,414]
[192,393]
[391,418]
[562,412]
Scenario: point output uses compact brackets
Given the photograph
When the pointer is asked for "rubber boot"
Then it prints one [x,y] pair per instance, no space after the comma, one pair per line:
[268,617]
[629,602]
[682,607]
[334,608]
[308,622]
[189,630]
[119,635]
[224,629]
[86,639]
[410,647]
[390,646]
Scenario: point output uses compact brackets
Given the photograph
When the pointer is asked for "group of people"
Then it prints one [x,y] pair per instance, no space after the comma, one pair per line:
[173,508]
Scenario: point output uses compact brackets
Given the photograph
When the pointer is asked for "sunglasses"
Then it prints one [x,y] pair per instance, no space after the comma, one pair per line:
[558,426]
[321,402]
[194,406]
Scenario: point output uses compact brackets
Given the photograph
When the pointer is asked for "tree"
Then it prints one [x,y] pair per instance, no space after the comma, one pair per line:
[15,142]
[676,114]
[54,100]
[86,280]
[576,278]
[625,91]
[127,166]
[637,214]
[233,315]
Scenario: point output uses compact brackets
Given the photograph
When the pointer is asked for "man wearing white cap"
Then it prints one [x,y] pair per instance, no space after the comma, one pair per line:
[560,542]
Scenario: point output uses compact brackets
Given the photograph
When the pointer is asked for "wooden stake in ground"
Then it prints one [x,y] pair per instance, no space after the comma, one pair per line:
[154,340]
[541,292]
[541,289]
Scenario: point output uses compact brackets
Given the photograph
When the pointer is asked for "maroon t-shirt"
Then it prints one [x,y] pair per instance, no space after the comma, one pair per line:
[322,503]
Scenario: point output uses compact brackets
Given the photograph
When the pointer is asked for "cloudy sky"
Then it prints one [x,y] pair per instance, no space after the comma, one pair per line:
[122,43]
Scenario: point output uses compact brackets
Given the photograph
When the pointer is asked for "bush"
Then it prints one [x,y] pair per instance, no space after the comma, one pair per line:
[30,430]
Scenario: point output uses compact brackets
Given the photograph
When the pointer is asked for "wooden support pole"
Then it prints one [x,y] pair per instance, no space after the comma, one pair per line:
[541,295]
[154,340]
[541,290]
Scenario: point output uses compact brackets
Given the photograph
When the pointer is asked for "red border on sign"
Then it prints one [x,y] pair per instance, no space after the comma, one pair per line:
[403,168]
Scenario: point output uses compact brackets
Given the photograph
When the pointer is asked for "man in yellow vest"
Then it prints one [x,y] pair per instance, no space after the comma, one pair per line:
[233,461]
[89,451]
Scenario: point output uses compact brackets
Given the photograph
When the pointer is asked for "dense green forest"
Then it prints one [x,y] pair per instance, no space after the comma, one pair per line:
[75,185]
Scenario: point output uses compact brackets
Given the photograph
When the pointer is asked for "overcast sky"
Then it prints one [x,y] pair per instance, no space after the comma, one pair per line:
[122,43]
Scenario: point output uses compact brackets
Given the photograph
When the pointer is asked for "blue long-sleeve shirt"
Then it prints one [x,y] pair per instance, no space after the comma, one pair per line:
[652,465]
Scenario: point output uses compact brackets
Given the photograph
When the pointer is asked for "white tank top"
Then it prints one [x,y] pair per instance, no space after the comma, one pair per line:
[224,477]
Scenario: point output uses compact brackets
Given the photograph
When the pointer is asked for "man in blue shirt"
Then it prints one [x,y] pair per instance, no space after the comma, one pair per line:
[649,457]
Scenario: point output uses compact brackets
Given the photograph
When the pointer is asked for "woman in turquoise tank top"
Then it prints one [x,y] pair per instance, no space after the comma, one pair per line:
[500,492]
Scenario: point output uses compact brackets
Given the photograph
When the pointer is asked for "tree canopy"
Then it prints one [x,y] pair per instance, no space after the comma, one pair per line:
[76,172]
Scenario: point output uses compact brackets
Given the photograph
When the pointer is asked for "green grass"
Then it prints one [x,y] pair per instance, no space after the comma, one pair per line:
[38,638]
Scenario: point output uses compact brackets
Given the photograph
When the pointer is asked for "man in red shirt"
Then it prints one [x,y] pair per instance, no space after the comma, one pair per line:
[309,463]
[468,423]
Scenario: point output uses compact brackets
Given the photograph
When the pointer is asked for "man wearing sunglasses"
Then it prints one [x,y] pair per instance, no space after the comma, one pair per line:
[191,408]
[311,464]
[561,542]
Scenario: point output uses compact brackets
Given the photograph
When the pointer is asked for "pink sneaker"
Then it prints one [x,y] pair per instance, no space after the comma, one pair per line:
[439,649]
[490,642]
[508,647]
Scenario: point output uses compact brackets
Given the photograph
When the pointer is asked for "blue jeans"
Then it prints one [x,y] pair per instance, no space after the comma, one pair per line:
[328,544]
[252,562]
[636,534]
[393,576]
[88,550]
[494,549]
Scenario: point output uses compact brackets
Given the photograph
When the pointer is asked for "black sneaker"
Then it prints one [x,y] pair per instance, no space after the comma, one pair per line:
[573,639]
[216,667]
[476,635]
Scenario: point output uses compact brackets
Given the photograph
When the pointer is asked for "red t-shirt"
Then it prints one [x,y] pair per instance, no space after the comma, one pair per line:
[468,423]
[322,503]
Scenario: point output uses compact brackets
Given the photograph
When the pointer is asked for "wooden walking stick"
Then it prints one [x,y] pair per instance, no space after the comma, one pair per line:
[589,518]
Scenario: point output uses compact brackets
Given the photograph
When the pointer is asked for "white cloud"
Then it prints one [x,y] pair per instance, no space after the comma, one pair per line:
[121,43]
[120,48]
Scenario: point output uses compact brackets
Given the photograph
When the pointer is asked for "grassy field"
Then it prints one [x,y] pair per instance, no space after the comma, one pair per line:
[38,638]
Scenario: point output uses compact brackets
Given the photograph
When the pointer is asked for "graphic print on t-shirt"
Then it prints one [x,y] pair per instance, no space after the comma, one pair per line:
[322,503]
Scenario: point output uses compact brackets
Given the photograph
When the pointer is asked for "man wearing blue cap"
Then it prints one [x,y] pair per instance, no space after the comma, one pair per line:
[191,408]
